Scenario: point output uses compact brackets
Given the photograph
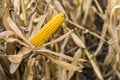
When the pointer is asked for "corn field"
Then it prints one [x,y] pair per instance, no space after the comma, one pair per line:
[59,40]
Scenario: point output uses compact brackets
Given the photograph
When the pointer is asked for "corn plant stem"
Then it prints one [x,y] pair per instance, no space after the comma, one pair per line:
[87,54]
[94,64]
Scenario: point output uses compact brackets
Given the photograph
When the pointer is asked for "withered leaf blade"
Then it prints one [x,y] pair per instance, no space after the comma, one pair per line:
[6,33]
[64,65]
[55,53]
[77,40]
[59,39]
[28,74]
[5,63]
[15,62]
[14,27]
[38,26]
[3,76]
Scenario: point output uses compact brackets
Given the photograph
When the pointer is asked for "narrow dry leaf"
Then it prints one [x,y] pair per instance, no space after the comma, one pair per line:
[59,39]
[98,6]
[16,40]
[55,53]
[30,25]
[87,5]
[111,26]
[96,68]
[60,7]
[64,65]
[47,70]
[103,33]
[77,40]
[30,4]
[64,74]
[6,33]
[38,26]
[64,44]
[23,11]
[3,76]
[17,6]
[77,55]
[29,28]
[28,75]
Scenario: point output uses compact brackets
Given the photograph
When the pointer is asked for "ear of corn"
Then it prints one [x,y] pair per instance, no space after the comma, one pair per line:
[47,30]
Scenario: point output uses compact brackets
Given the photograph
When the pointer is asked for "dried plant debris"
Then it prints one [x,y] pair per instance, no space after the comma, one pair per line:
[59,40]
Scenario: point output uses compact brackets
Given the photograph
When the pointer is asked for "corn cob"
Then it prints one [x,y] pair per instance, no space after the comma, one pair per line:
[47,30]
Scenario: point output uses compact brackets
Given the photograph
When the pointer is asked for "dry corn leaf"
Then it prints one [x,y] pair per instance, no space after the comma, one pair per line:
[55,53]
[15,58]
[16,40]
[38,26]
[23,12]
[86,6]
[64,65]
[47,70]
[15,62]
[96,67]
[30,25]
[77,55]
[14,27]
[60,7]
[6,33]
[24,51]
[98,6]
[3,76]
[17,6]
[28,75]
[5,63]
[77,40]
[60,38]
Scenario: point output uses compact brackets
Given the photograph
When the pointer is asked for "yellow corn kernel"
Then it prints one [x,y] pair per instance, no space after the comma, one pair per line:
[47,30]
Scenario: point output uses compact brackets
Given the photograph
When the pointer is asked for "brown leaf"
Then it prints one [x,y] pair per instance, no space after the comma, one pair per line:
[14,27]
[64,65]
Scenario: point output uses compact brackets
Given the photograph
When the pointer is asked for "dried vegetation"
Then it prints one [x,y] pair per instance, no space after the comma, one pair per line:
[85,47]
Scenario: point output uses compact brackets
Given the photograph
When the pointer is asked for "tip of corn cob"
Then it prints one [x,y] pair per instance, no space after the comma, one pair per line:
[47,30]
